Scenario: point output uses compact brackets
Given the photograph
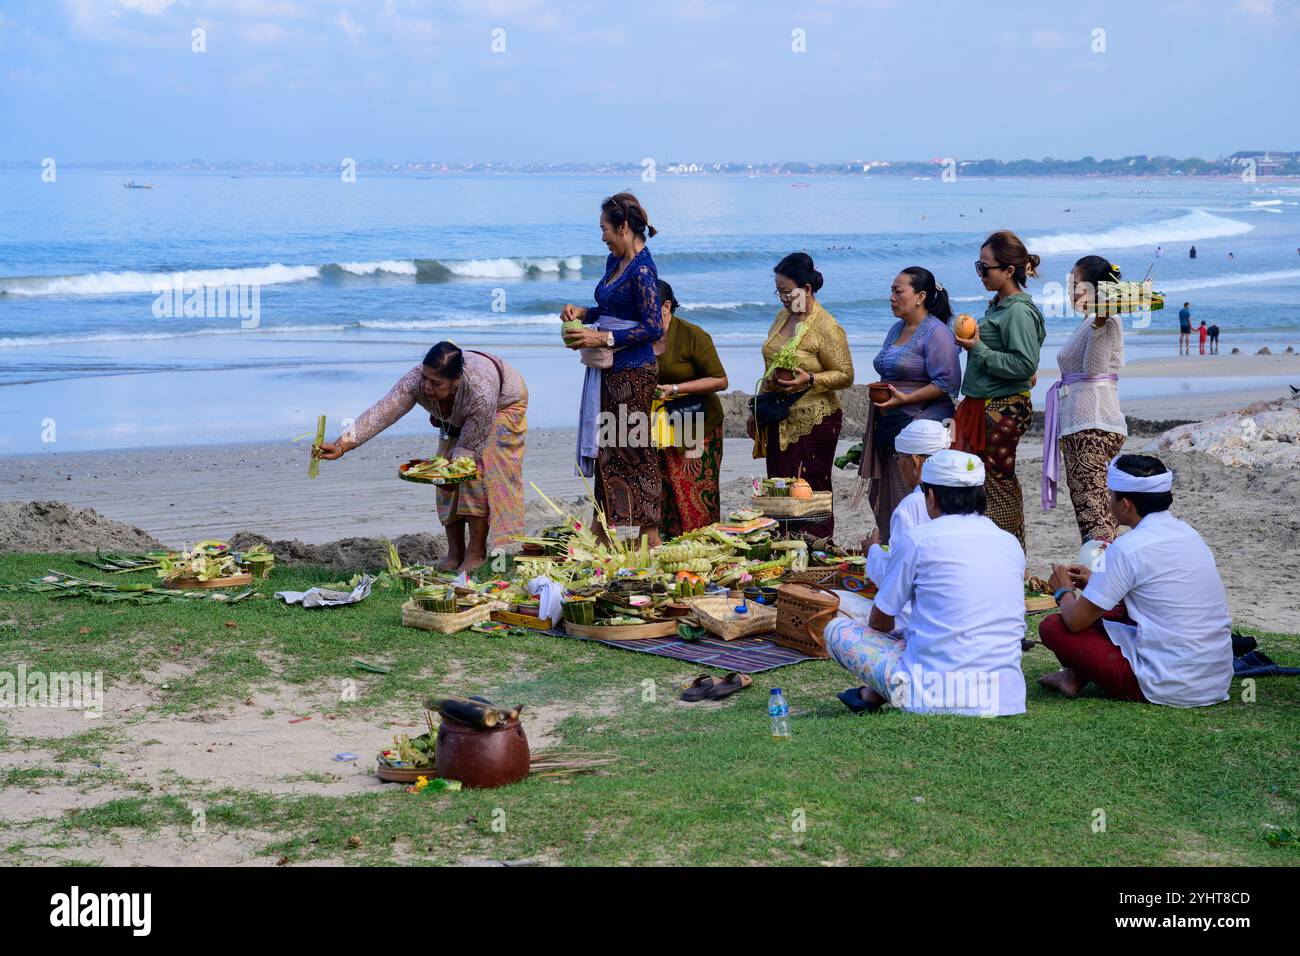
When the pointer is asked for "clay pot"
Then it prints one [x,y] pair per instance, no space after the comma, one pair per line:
[482,757]
[674,609]
[878,392]
[784,374]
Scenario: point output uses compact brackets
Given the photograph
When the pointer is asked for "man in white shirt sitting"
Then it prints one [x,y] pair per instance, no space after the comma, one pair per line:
[918,440]
[964,577]
[1152,624]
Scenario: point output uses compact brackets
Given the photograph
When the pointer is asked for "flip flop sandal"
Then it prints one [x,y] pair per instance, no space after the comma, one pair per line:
[1028,644]
[729,685]
[853,701]
[699,688]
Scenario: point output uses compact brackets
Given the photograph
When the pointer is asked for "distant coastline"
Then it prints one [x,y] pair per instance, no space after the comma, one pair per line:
[1250,165]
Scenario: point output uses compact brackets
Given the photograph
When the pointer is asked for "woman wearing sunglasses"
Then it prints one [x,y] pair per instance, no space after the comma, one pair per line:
[1001,362]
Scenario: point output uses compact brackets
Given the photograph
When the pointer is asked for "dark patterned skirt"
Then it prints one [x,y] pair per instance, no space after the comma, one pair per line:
[628,483]
[691,498]
[1005,422]
[1086,454]
[812,456]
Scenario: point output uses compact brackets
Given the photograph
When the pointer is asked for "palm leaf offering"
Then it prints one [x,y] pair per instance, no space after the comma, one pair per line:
[439,470]
[1123,298]
[206,561]
[123,563]
[64,585]
[313,468]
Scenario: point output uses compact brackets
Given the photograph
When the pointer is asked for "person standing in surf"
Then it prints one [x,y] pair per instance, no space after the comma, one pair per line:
[1001,363]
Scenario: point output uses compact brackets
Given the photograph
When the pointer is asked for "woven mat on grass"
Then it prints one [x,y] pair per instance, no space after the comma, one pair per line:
[748,655]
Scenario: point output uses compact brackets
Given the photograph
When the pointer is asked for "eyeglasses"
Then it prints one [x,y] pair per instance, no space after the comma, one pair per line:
[784,296]
[983,269]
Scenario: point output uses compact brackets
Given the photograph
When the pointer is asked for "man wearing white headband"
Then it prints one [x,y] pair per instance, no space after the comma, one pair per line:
[917,441]
[959,651]
[1152,624]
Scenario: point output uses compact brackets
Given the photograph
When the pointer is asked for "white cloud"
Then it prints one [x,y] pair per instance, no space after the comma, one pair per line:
[151,7]
[348,25]
[261,32]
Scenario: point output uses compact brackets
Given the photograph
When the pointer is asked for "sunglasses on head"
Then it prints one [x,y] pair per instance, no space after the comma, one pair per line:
[983,269]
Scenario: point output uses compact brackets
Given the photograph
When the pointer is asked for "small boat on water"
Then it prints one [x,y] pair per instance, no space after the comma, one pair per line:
[132,184]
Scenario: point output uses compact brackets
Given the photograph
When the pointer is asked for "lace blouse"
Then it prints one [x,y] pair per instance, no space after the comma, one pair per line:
[634,296]
[481,394]
[823,351]
[1084,405]
[930,355]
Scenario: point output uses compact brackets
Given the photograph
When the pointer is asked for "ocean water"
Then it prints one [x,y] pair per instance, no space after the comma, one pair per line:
[354,281]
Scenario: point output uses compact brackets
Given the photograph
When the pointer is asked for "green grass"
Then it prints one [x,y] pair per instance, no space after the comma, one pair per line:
[695,785]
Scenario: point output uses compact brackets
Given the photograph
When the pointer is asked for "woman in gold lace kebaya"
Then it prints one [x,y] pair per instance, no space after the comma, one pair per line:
[802,443]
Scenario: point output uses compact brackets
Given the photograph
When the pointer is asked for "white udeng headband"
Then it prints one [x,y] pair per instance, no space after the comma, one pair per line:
[1117,480]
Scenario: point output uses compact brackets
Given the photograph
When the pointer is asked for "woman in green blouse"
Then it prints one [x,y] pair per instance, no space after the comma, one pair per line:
[690,376]
[1001,365]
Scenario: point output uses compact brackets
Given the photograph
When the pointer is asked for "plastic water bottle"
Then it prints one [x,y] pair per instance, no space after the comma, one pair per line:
[779,711]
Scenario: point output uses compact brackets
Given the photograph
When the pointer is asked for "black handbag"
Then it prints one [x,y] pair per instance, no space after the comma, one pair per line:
[888,425]
[772,407]
[686,405]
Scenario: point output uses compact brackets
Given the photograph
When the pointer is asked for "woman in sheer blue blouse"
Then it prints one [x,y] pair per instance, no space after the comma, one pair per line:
[920,362]
[626,319]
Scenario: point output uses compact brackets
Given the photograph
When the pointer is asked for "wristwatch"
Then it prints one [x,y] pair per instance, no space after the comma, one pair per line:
[677,389]
[609,339]
[1056,595]
[811,379]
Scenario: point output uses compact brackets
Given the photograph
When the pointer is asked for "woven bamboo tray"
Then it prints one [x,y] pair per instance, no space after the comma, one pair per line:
[623,632]
[711,613]
[1041,602]
[404,774]
[531,621]
[414,616]
[826,575]
[818,504]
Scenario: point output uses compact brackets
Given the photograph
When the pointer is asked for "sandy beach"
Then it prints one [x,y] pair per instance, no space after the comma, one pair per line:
[181,495]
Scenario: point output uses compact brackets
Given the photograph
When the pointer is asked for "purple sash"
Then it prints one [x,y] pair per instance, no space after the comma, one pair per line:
[1052,432]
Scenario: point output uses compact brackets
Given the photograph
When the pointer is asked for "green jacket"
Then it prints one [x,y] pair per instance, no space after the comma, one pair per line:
[1006,357]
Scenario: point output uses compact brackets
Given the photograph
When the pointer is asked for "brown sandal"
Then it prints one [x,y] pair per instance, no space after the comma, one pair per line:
[699,688]
[729,685]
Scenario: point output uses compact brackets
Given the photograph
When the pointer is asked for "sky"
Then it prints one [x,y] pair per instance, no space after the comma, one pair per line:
[598,81]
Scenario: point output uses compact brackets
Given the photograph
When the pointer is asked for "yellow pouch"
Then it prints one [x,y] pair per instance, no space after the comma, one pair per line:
[661,429]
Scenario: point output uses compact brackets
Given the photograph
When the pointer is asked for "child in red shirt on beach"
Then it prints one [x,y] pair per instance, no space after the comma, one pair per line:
[1201,333]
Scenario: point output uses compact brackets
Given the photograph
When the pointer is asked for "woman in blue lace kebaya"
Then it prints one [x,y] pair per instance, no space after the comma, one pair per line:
[920,363]
[618,393]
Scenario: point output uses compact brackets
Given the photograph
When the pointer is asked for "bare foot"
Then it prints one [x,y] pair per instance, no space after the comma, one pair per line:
[472,561]
[448,564]
[1064,681]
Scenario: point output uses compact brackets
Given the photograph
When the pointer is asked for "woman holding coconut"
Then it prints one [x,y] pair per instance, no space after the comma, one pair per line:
[1001,365]
[796,418]
[479,404]
[622,374]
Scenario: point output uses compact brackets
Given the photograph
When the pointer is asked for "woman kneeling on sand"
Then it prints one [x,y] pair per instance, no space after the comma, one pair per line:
[479,404]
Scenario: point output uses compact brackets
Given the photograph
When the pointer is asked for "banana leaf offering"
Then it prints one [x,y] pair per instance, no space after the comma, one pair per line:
[439,470]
